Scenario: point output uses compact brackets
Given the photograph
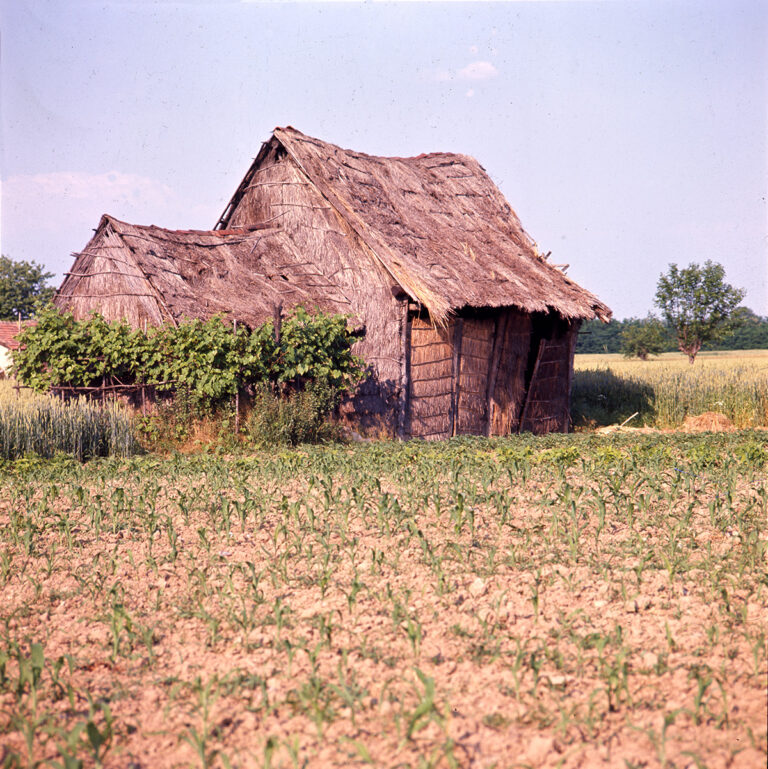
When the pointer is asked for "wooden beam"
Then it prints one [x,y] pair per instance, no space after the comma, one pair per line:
[403,426]
[573,335]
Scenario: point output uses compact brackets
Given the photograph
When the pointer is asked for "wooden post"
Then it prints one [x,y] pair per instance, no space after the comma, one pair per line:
[278,321]
[573,332]
[458,331]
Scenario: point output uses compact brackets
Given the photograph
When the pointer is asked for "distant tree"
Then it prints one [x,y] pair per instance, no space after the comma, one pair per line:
[22,284]
[697,305]
[643,337]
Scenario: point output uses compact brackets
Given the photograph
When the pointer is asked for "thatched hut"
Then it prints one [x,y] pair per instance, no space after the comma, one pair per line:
[468,329]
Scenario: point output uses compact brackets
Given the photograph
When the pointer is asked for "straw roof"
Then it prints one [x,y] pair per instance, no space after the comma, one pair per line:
[437,224]
[150,273]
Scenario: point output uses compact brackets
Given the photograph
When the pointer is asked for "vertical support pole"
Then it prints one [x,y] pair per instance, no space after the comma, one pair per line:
[458,332]
[573,331]
[278,322]
[277,327]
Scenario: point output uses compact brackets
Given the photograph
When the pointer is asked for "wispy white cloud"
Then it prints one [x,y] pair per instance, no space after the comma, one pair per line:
[440,75]
[478,70]
[62,208]
[112,189]
[474,71]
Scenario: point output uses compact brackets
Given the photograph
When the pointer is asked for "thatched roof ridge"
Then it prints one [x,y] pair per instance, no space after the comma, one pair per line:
[438,225]
[242,274]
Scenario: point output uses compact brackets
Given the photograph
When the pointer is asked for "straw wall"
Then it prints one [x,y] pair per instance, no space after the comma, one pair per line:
[508,393]
[486,372]
[431,385]
[477,337]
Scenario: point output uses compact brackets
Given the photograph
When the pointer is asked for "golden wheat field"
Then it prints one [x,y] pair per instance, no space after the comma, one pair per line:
[665,390]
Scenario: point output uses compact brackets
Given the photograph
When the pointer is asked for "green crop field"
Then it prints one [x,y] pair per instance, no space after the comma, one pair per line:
[577,600]
[608,389]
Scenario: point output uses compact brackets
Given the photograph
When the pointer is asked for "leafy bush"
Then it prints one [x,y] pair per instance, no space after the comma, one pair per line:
[300,416]
[641,338]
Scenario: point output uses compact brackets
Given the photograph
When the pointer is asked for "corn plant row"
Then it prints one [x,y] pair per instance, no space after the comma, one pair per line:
[568,601]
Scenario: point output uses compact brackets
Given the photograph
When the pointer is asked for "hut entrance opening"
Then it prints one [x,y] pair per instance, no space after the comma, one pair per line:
[548,374]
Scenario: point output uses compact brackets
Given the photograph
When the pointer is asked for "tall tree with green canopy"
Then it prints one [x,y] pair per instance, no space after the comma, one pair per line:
[698,305]
[22,284]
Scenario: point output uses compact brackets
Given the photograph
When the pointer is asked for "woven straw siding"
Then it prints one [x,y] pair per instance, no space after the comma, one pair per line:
[431,384]
[476,348]
[107,280]
[509,392]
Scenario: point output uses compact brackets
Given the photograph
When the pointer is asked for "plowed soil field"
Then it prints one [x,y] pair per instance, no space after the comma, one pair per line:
[574,601]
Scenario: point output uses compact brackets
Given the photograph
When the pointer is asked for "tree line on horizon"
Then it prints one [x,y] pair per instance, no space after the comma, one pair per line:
[598,337]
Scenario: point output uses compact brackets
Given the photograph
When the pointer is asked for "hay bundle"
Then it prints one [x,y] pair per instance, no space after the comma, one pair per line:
[709,421]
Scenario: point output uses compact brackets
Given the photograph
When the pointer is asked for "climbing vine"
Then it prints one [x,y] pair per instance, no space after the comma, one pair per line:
[210,360]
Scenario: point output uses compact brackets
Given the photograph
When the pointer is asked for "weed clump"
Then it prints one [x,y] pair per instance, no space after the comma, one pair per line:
[301,416]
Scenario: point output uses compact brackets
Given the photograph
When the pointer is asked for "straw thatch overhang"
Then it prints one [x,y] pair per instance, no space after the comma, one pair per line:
[150,274]
[436,223]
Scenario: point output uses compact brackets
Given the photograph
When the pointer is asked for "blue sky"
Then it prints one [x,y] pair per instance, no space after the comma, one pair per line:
[626,134]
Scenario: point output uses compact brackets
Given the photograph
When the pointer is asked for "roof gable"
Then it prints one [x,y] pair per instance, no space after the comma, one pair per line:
[438,225]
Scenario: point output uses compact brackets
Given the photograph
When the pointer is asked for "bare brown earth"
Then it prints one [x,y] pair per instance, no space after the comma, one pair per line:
[458,607]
